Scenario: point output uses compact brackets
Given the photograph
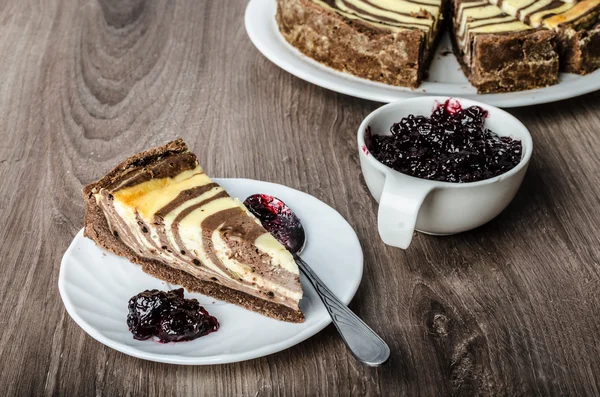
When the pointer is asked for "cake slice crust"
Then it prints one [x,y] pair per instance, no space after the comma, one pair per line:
[151,165]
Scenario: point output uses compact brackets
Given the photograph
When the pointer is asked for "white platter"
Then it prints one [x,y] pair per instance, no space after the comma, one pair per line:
[96,285]
[445,77]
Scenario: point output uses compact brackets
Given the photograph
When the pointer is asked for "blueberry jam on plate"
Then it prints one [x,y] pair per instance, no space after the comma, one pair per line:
[453,145]
[168,316]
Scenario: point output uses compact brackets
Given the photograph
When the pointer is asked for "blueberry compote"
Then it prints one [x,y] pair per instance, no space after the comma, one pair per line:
[168,316]
[278,219]
[452,145]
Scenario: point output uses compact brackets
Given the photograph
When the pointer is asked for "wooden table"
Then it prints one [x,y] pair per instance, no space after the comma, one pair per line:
[511,308]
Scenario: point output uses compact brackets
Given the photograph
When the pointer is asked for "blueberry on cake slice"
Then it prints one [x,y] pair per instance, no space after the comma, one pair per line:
[160,210]
[390,41]
[497,52]
[577,25]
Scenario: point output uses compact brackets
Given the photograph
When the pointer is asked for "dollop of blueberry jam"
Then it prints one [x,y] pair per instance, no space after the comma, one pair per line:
[168,316]
[453,145]
[278,219]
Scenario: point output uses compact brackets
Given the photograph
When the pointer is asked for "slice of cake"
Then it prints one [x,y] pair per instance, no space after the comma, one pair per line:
[499,53]
[577,25]
[381,40]
[160,210]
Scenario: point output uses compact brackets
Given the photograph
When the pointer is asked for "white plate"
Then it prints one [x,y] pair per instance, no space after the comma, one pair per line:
[96,285]
[445,77]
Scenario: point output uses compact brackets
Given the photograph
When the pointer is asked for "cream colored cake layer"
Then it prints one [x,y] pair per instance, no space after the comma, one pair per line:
[547,13]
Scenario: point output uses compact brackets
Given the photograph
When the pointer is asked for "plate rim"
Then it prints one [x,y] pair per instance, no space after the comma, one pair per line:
[217,359]
[371,90]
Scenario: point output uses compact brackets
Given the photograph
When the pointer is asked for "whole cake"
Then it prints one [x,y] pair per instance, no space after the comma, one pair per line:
[498,52]
[381,40]
[160,210]
[502,45]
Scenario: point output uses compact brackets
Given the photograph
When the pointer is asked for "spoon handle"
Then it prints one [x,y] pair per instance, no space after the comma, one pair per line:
[362,341]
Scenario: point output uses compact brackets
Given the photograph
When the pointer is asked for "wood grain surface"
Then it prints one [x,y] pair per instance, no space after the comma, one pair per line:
[511,308]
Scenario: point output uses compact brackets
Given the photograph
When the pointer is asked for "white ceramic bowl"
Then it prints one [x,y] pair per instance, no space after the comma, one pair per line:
[407,203]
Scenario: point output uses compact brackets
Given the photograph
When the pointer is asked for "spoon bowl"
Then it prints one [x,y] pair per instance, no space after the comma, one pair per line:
[279,220]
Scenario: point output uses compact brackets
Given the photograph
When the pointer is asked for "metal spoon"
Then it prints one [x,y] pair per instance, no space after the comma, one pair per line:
[285,226]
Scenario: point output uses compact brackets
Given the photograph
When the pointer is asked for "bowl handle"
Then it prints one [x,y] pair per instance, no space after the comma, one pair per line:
[399,206]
